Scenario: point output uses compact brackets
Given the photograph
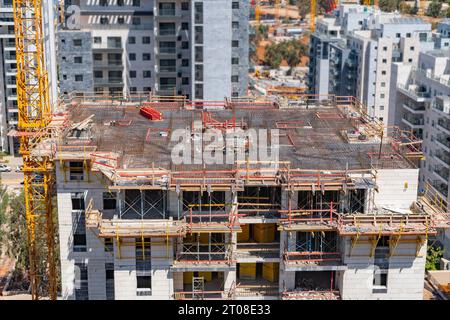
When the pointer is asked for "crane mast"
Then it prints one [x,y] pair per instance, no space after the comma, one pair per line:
[34,117]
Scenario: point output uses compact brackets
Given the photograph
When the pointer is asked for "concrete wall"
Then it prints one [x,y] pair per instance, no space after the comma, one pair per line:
[397,188]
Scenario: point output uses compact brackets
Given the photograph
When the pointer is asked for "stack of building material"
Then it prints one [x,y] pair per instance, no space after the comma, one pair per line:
[151,113]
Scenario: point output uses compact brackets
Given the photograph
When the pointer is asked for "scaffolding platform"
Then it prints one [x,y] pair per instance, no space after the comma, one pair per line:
[133,228]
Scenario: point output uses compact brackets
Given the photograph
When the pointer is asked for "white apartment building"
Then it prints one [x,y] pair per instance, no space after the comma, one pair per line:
[355,51]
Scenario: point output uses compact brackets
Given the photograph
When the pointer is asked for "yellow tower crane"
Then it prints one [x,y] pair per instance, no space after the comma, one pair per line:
[34,117]
[312,18]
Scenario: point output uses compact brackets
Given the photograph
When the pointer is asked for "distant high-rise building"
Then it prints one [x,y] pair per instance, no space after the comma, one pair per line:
[194,48]
[352,52]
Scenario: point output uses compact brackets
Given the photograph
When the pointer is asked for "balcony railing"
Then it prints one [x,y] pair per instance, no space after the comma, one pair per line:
[444,139]
[413,121]
[444,124]
[443,173]
[166,12]
[167,32]
[444,157]
[166,50]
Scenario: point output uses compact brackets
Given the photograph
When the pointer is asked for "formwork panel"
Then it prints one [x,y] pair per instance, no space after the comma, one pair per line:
[270,271]
[264,233]
[247,271]
[244,236]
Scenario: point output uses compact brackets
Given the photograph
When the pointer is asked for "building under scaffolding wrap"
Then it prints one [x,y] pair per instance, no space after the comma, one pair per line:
[338,217]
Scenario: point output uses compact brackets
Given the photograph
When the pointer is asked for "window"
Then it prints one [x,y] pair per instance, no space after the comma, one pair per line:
[184,26]
[384,48]
[109,245]
[79,222]
[78,77]
[235,24]
[184,80]
[132,74]
[136,21]
[184,45]
[397,35]
[382,96]
[381,108]
[109,274]
[185,6]
[145,40]
[104,20]
[78,60]
[143,266]
[147,89]
[77,201]
[81,282]
[384,60]
[98,74]
[109,200]
[234,78]
[380,281]
[132,56]
[146,57]
[408,35]
[146,74]
[383,72]
[76,171]
[103,3]
[383,84]
[234,60]
[120,3]
[120,20]
[98,57]
[411,48]
[133,89]
[235,5]
[131,40]
[98,40]
[136,3]
[77,42]
[235,43]
[185,62]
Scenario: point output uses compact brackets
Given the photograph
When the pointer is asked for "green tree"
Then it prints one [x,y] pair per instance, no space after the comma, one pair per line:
[17,241]
[389,5]
[273,56]
[434,255]
[4,201]
[434,9]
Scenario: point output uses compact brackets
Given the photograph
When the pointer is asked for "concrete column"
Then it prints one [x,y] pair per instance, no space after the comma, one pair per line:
[125,270]
[174,205]
[162,277]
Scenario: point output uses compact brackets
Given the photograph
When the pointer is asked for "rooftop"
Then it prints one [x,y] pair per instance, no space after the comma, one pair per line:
[316,136]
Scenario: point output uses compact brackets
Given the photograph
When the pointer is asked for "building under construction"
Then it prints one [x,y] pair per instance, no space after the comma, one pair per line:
[336,217]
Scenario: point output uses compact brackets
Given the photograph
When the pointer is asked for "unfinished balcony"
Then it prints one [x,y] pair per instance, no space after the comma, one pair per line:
[257,281]
[258,204]
[206,252]
[313,285]
[201,286]
[313,251]
[258,243]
